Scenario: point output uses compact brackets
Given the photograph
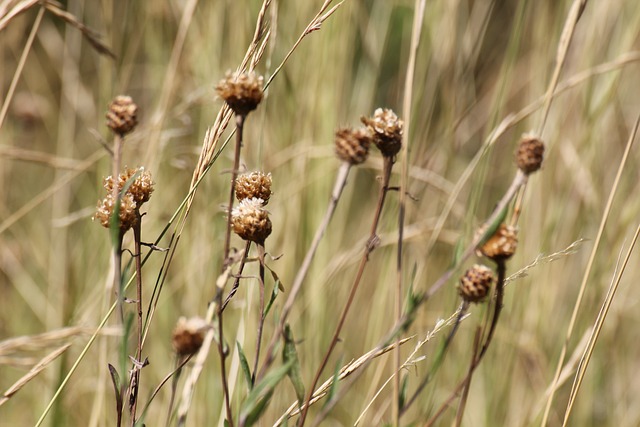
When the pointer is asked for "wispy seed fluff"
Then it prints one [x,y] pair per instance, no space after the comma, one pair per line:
[254,185]
[122,115]
[242,91]
[251,221]
[352,145]
[387,130]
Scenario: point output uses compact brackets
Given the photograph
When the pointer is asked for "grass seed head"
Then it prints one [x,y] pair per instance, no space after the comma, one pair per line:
[188,335]
[352,145]
[502,245]
[122,115]
[387,130]
[476,283]
[242,91]
[529,154]
[254,185]
[251,221]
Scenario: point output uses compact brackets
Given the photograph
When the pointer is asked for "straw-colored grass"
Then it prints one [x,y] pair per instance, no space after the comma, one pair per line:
[485,73]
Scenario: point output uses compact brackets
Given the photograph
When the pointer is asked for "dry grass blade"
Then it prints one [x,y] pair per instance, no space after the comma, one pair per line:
[47,339]
[7,15]
[32,373]
[602,315]
[585,277]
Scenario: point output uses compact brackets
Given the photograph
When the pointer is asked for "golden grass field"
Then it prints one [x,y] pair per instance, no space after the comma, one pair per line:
[482,74]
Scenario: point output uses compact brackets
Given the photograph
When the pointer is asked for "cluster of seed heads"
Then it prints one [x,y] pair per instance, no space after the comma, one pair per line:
[387,130]
[138,192]
[476,283]
[254,185]
[250,220]
[352,145]
[501,245]
[188,335]
[529,154]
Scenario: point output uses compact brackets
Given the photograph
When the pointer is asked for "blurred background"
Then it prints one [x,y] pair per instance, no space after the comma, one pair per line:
[478,62]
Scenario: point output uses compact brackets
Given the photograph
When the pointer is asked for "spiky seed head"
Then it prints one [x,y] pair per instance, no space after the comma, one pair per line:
[141,187]
[502,245]
[242,91]
[251,221]
[188,335]
[476,283]
[387,130]
[352,145]
[127,215]
[122,115]
[254,185]
[529,154]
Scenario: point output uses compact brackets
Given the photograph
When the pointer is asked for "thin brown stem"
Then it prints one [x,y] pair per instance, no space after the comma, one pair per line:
[465,392]
[371,245]
[137,235]
[236,283]
[117,250]
[223,358]
[234,175]
[260,246]
[340,183]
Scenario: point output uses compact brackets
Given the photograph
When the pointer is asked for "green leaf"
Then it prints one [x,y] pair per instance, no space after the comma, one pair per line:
[334,382]
[493,227]
[274,294]
[257,400]
[245,366]
[289,354]
[402,397]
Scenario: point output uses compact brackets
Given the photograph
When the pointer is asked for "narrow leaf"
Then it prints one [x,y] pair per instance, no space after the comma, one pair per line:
[290,355]
[244,365]
[274,294]
[261,390]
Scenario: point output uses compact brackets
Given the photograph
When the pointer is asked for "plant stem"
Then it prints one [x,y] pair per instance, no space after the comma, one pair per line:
[137,235]
[234,175]
[236,283]
[261,251]
[371,244]
[340,183]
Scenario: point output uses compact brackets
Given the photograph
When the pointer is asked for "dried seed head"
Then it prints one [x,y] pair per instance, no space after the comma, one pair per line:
[141,187]
[352,145]
[476,283]
[254,185]
[251,221]
[188,335]
[128,214]
[122,115]
[242,91]
[529,154]
[502,245]
[387,130]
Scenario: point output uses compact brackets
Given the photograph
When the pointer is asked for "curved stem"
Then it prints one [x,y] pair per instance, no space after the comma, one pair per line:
[261,320]
[371,245]
[234,175]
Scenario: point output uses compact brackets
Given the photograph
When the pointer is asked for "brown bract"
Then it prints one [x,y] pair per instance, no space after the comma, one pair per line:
[387,130]
[502,245]
[476,283]
[529,154]
[188,335]
[251,221]
[254,185]
[122,115]
[127,214]
[242,91]
[352,145]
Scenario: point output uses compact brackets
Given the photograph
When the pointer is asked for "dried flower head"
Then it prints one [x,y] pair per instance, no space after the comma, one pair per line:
[387,130]
[242,91]
[127,215]
[529,154]
[188,335]
[251,221]
[476,283]
[254,185]
[502,245]
[122,115]
[352,145]
[141,187]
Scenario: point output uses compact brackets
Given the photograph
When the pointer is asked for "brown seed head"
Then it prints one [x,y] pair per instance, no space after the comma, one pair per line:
[122,115]
[251,221]
[242,91]
[502,245]
[128,214]
[529,154]
[254,185]
[188,335]
[352,145]
[387,130]
[141,188]
[476,283]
